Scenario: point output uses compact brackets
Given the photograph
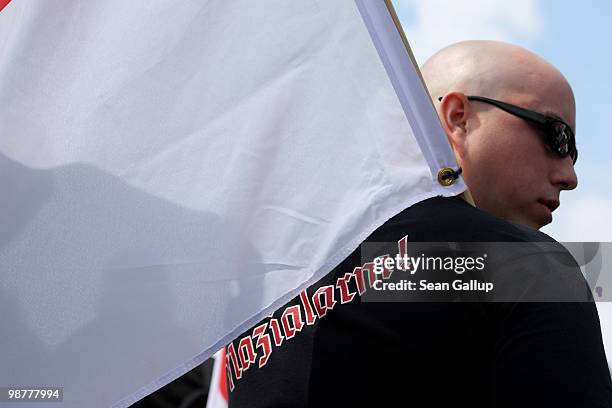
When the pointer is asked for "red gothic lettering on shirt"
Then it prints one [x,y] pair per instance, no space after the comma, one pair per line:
[263,341]
[345,294]
[231,355]
[368,270]
[291,321]
[358,274]
[276,332]
[228,373]
[402,245]
[386,273]
[327,294]
[246,352]
[296,324]
[309,313]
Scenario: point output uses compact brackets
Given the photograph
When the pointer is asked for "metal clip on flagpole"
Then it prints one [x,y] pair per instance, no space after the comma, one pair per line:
[448,176]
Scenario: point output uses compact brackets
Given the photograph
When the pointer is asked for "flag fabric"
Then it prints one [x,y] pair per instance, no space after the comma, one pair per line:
[173,171]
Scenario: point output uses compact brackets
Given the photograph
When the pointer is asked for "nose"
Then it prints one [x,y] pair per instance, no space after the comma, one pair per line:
[563,174]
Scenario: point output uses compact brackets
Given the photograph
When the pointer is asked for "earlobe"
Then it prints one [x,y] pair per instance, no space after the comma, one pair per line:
[454,111]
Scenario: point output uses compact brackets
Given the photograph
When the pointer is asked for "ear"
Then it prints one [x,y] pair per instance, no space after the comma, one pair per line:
[454,111]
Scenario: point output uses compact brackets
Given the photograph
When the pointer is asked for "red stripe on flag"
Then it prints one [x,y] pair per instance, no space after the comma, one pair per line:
[3,3]
[222,375]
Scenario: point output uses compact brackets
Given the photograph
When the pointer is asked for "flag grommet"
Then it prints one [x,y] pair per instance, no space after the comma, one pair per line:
[447,176]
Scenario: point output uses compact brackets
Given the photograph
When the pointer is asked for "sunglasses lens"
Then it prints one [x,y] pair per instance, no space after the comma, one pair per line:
[562,140]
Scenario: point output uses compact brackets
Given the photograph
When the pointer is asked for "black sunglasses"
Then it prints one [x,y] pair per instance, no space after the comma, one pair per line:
[559,135]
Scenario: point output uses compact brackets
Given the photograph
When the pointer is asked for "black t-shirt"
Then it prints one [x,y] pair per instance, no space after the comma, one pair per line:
[313,353]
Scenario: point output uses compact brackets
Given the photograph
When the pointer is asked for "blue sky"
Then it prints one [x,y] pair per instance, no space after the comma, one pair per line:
[572,35]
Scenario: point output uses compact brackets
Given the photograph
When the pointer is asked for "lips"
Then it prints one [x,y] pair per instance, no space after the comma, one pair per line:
[552,204]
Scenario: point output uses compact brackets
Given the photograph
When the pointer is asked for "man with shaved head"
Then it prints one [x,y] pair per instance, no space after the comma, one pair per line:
[515,161]
[510,118]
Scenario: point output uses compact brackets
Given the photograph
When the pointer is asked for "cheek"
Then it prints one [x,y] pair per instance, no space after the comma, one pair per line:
[492,160]
[507,165]
[517,154]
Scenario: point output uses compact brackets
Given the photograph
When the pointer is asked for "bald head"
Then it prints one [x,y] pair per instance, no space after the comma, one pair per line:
[505,159]
[489,68]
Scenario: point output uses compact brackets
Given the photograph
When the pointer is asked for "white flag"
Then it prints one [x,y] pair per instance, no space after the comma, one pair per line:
[171,171]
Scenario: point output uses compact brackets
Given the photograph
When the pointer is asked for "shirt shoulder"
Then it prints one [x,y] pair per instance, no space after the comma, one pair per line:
[451,219]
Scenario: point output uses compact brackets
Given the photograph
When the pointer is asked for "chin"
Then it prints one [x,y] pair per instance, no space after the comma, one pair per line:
[539,222]
[542,217]
[535,222]
[536,225]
